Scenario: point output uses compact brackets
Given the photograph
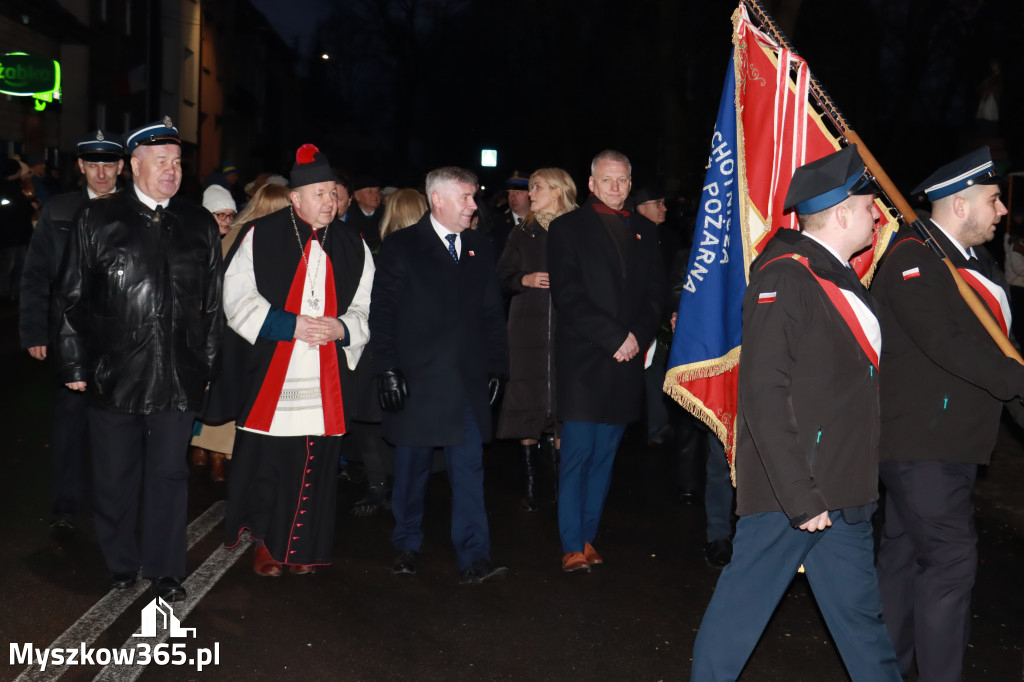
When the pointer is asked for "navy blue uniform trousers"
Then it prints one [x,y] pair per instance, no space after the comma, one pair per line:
[70,430]
[718,492]
[465,464]
[927,561]
[767,553]
[139,461]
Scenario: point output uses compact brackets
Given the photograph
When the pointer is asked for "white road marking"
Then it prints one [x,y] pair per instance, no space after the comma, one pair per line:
[196,585]
[103,613]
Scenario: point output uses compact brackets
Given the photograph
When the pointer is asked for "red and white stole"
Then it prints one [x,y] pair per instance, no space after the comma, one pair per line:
[262,414]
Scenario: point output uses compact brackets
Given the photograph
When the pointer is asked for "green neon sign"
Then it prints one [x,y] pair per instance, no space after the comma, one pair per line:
[25,75]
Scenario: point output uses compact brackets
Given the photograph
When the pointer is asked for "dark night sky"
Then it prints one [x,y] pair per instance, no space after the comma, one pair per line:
[294,18]
[551,82]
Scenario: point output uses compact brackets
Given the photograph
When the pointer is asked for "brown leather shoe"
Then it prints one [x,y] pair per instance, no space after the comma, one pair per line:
[264,564]
[199,457]
[301,569]
[591,555]
[217,466]
[574,562]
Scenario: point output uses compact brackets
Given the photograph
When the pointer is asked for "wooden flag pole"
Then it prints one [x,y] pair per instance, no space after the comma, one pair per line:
[828,107]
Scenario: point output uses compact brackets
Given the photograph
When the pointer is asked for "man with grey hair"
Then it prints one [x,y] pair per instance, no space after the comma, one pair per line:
[437,329]
[139,328]
[608,286]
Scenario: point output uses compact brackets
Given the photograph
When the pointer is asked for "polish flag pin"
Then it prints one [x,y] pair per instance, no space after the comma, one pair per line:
[766,297]
[911,273]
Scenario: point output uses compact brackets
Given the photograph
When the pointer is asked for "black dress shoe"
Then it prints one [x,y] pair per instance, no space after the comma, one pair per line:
[373,502]
[405,563]
[481,571]
[62,527]
[122,581]
[168,588]
[718,552]
[63,522]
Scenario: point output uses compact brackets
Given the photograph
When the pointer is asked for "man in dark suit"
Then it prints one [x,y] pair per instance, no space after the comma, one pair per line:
[944,389]
[100,159]
[807,442]
[437,331]
[608,287]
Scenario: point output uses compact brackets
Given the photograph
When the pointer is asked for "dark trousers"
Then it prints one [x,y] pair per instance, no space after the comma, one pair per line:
[364,441]
[657,401]
[718,492]
[70,429]
[767,553]
[927,561]
[584,476]
[140,490]
[690,445]
[465,464]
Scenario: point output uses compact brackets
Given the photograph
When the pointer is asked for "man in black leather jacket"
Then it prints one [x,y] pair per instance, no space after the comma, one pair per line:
[139,324]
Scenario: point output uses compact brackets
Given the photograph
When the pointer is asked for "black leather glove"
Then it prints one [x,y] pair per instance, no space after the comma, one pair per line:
[495,385]
[392,390]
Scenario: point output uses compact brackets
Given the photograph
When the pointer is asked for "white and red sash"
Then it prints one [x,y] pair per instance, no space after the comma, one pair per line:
[262,414]
[992,294]
[858,317]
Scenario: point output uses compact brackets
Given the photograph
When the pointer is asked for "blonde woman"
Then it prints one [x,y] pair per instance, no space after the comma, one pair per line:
[267,199]
[403,208]
[528,409]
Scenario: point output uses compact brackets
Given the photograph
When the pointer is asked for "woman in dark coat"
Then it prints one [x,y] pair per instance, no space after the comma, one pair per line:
[528,409]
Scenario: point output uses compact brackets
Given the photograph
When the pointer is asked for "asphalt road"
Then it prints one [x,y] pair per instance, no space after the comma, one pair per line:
[634,618]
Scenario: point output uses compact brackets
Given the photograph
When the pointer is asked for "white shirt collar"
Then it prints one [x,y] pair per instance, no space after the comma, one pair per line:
[148,201]
[967,253]
[443,232]
[828,248]
[88,190]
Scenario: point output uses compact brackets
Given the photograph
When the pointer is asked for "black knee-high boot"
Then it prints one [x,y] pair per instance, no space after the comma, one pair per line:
[530,467]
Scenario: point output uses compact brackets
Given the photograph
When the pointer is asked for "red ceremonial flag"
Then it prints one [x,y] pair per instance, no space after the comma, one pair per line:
[768,125]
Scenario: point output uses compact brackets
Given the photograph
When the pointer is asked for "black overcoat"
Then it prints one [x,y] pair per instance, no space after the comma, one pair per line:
[597,308]
[442,324]
[529,403]
[808,423]
[945,379]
